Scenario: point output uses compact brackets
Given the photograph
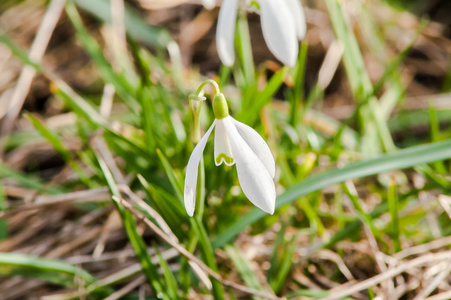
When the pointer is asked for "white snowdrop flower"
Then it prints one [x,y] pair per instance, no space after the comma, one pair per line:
[209,4]
[235,143]
[283,23]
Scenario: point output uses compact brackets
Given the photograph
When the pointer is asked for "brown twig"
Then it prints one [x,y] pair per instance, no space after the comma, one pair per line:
[94,195]
[37,51]
[191,257]
[435,282]
[435,244]
[442,296]
[128,288]
[435,257]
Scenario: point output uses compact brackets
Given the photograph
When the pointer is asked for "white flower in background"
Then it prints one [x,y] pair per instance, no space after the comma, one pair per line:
[209,4]
[235,143]
[283,24]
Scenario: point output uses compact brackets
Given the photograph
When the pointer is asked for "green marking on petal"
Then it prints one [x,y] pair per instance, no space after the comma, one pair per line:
[254,4]
[228,160]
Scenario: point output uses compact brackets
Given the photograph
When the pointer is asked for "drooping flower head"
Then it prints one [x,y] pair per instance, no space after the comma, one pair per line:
[235,144]
[283,24]
[209,4]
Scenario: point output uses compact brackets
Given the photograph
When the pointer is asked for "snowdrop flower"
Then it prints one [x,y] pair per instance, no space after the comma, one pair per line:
[235,143]
[283,23]
[209,4]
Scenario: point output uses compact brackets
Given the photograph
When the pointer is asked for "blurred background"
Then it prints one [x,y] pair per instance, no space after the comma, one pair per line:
[392,29]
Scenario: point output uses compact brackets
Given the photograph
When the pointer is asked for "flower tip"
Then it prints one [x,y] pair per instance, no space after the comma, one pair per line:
[291,62]
[225,31]
[190,212]
[267,205]
[290,57]
[267,209]
[189,202]
[209,4]
[226,52]
[271,209]
[301,33]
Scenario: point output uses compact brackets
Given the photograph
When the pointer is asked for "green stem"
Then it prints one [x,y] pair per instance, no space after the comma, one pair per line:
[214,83]
[243,42]
[298,90]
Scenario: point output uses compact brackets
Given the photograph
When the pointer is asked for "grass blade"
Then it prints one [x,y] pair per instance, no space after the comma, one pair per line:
[393,207]
[173,178]
[3,223]
[171,283]
[139,246]
[209,255]
[244,269]
[134,24]
[401,159]
[53,271]
[359,80]
[27,180]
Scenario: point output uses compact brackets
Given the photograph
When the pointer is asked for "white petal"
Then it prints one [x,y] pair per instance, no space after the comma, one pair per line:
[225,31]
[191,173]
[258,145]
[297,11]
[279,30]
[209,4]
[223,151]
[255,181]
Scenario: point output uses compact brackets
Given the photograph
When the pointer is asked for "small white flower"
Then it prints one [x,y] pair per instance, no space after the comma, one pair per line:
[209,4]
[235,143]
[283,23]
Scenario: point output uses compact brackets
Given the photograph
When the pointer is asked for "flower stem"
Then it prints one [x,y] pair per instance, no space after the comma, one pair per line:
[243,42]
[214,83]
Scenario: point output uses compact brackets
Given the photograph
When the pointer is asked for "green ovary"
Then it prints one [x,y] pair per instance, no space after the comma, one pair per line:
[220,107]
[228,160]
